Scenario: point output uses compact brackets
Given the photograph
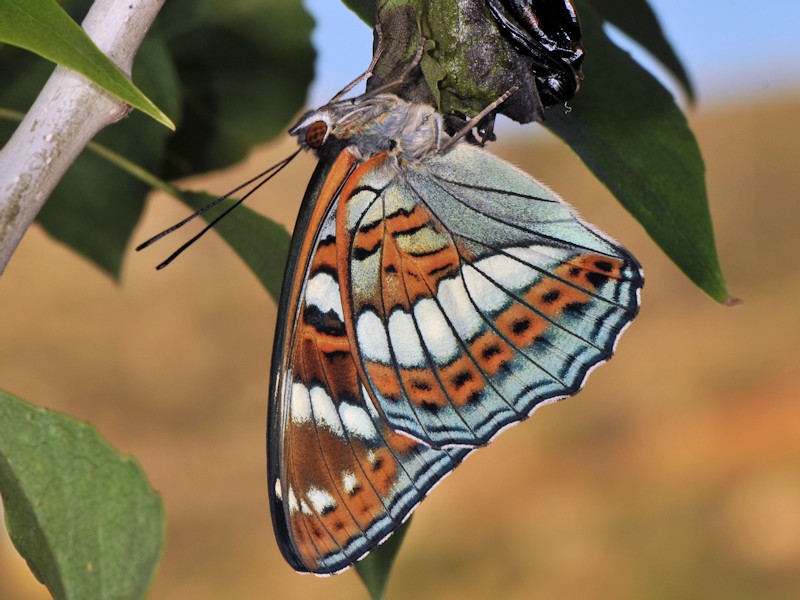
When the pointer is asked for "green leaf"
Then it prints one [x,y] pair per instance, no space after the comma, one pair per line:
[262,243]
[365,9]
[240,89]
[636,19]
[245,68]
[627,129]
[43,27]
[82,515]
[375,569]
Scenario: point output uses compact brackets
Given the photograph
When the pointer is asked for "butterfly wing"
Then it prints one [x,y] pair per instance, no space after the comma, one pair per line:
[341,480]
[476,295]
[443,303]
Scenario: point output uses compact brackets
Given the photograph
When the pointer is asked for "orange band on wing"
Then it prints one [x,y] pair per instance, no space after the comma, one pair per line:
[341,167]
[343,242]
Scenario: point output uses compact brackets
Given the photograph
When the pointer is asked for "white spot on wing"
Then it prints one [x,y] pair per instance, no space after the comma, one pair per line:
[486,294]
[405,340]
[349,482]
[320,499]
[328,229]
[459,309]
[436,332]
[324,411]
[541,256]
[301,403]
[370,407]
[293,505]
[362,209]
[305,508]
[322,291]
[357,421]
[506,271]
[372,342]
[278,491]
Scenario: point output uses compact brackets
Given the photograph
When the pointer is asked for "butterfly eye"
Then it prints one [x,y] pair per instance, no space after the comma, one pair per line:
[316,134]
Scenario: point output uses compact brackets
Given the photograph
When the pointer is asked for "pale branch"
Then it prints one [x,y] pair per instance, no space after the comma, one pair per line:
[68,113]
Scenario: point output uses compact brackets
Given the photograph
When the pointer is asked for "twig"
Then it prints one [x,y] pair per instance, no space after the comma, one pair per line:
[68,113]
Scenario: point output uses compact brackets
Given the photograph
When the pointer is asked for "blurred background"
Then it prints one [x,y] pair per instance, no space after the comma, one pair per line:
[674,474]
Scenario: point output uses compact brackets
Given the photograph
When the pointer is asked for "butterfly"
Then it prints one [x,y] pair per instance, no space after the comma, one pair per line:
[435,295]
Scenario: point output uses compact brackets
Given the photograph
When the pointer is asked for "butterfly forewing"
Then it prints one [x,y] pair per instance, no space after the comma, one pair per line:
[345,479]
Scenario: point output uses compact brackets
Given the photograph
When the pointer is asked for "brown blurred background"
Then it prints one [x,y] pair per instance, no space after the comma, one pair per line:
[674,474]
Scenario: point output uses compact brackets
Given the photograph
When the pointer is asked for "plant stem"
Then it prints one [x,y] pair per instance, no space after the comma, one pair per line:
[68,113]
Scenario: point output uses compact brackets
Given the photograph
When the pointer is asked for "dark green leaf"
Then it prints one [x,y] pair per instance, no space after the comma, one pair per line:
[374,570]
[636,19]
[43,27]
[628,130]
[245,68]
[259,241]
[82,515]
[365,9]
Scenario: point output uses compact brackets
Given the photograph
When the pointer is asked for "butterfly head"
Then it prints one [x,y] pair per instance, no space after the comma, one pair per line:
[372,125]
[312,130]
[343,120]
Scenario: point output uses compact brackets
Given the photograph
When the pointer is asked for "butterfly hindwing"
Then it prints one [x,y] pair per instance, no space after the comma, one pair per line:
[476,294]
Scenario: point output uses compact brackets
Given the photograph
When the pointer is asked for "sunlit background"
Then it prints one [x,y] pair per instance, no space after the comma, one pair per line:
[675,474]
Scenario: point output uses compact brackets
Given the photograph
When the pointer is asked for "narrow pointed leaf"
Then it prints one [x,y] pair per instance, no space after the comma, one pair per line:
[43,27]
[637,20]
[375,569]
[628,130]
[83,516]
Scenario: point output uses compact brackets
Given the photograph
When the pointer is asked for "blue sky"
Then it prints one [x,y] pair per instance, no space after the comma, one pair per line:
[733,49]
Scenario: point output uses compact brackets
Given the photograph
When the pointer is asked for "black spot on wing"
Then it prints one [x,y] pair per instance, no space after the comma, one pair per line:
[596,279]
[328,322]
[461,379]
[360,253]
[551,296]
[604,266]
[327,270]
[521,326]
[411,231]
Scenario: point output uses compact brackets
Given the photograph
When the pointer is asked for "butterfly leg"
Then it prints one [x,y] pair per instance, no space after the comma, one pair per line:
[473,122]
[366,74]
[400,79]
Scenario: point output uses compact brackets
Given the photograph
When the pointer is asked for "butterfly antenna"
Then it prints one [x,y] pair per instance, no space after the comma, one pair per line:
[366,74]
[473,122]
[259,180]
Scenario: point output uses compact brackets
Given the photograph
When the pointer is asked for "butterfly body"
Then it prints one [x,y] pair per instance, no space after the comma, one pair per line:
[433,298]
[382,123]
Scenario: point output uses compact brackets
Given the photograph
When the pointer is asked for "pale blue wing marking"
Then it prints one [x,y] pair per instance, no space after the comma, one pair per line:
[521,221]
[448,423]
